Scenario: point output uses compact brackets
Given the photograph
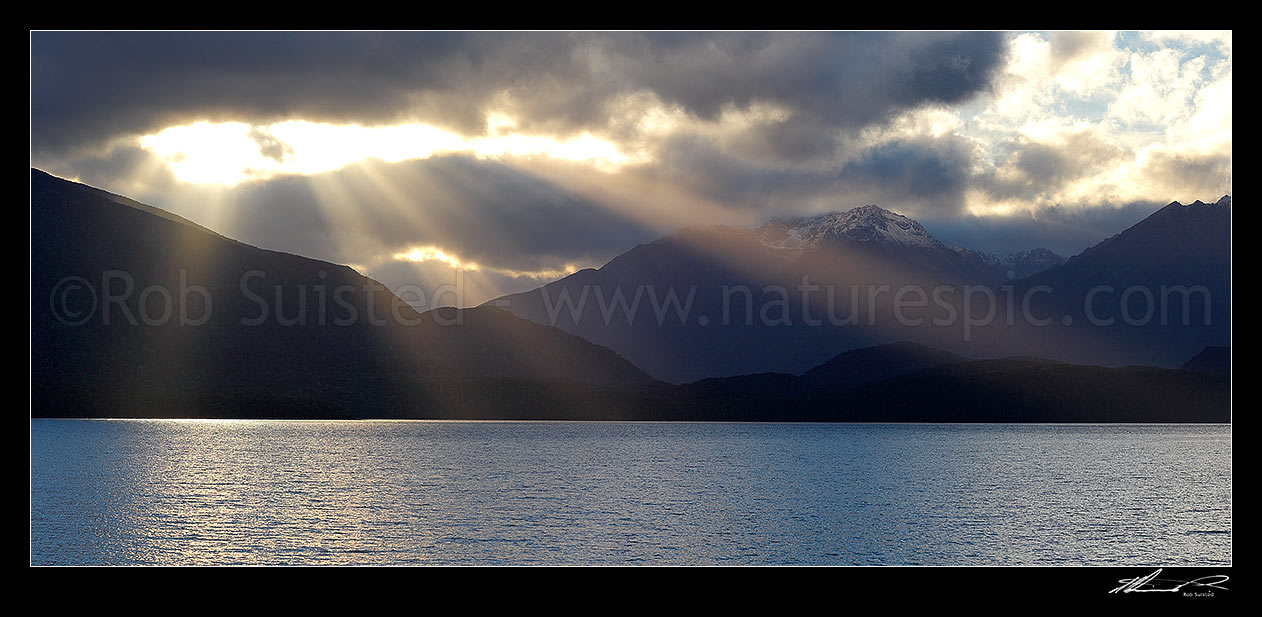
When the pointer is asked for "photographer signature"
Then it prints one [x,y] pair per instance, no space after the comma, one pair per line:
[1152,583]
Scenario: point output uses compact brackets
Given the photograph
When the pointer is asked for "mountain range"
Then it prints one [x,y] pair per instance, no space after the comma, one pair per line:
[137,312]
[1156,293]
[787,296]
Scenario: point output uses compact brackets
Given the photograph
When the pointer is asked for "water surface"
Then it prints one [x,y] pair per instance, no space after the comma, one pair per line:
[418,492]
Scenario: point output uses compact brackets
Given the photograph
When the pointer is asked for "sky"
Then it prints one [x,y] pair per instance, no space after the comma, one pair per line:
[504,160]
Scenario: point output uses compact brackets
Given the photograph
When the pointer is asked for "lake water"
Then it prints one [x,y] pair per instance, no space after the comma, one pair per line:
[349,492]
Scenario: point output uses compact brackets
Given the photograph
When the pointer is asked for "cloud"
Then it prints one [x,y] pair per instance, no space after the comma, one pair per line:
[998,140]
[1066,231]
[124,169]
[269,145]
[431,284]
[1085,64]
[89,87]
[1086,120]
[923,176]
[1041,172]
[1160,87]
[1220,39]
[1187,176]
[508,222]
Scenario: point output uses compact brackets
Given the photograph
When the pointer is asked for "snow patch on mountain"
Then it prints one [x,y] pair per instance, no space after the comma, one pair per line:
[862,224]
[799,234]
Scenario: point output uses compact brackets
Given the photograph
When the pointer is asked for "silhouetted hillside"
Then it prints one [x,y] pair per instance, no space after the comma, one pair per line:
[843,372]
[1154,294]
[1212,360]
[132,304]
[1008,390]
[872,364]
[1031,390]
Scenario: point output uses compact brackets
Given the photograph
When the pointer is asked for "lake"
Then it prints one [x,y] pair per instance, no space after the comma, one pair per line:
[422,492]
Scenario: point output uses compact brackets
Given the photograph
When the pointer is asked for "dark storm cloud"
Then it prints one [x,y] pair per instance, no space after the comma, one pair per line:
[87,87]
[794,140]
[844,79]
[119,163]
[916,176]
[949,70]
[700,165]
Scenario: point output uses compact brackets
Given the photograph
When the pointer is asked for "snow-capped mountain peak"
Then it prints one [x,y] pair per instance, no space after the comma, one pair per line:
[862,224]
[895,235]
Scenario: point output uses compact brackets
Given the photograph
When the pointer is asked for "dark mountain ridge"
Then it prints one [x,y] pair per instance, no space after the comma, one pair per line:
[1155,293]
[185,339]
[796,291]
[124,296]
[1212,360]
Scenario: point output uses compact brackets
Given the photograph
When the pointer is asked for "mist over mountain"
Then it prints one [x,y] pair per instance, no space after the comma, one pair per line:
[796,291]
[719,301]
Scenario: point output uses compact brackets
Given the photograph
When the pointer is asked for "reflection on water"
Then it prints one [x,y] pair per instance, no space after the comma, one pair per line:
[274,492]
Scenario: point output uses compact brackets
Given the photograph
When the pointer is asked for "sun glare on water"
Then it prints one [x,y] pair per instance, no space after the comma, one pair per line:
[228,153]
